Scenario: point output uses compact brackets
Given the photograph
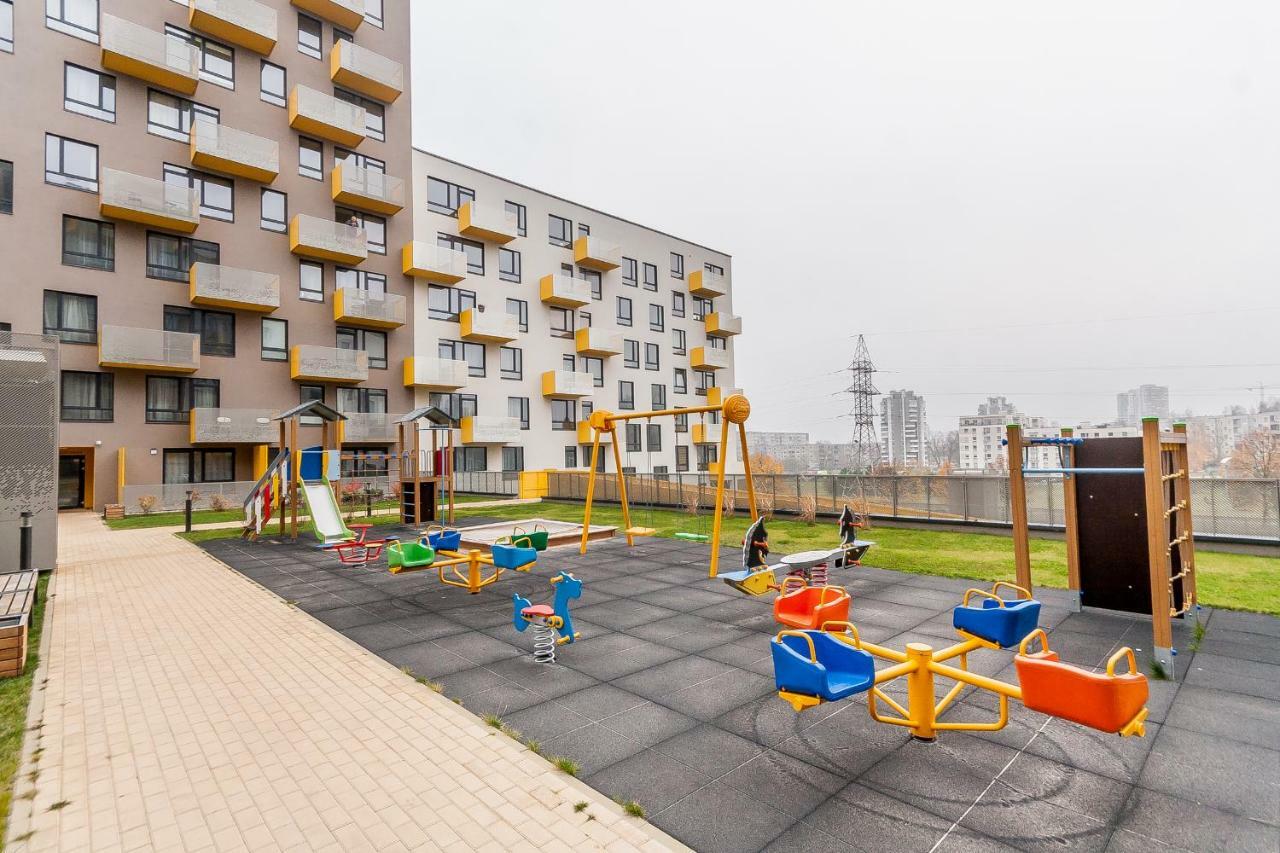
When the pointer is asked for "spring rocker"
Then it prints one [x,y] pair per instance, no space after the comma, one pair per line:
[759,578]
[548,620]
[415,556]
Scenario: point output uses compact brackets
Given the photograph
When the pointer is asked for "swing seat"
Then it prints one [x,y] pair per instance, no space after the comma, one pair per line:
[1003,621]
[808,607]
[640,531]
[513,556]
[538,538]
[1106,702]
[443,539]
[693,537]
[815,663]
[409,555]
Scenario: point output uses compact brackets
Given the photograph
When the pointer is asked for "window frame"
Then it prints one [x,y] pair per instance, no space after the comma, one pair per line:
[363,220]
[568,422]
[650,282]
[564,242]
[455,195]
[517,359]
[627,360]
[305,293]
[522,312]
[627,319]
[270,224]
[461,244]
[653,349]
[657,318]
[680,381]
[199,321]
[306,143]
[188,111]
[104,228]
[186,398]
[203,44]
[105,382]
[522,414]
[67,27]
[679,341]
[360,343]
[187,255]
[630,272]
[200,182]
[512,275]
[6,186]
[677,265]
[458,297]
[517,454]
[461,351]
[677,304]
[83,108]
[305,49]
[72,180]
[522,216]
[281,100]
[6,41]
[192,455]
[69,334]
[626,395]
[263,349]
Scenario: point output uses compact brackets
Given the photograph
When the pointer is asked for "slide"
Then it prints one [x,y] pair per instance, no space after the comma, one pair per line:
[326,518]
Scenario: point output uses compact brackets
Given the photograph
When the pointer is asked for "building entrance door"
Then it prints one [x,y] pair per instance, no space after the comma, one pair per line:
[70,482]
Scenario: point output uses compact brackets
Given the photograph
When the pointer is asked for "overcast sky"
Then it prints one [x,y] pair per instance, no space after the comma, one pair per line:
[1053,202]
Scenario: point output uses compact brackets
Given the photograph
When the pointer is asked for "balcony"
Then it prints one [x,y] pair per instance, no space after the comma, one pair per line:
[493,327]
[585,436]
[137,51]
[348,14]
[707,284]
[705,433]
[600,343]
[717,396]
[435,374]
[361,70]
[706,358]
[484,223]
[490,429]
[564,291]
[148,201]
[217,286]
[722,325]
[439,264]
[242,22]
[219,148]
[594,253]
[367,189]
[326,240]
[233,426]
[368,427]
[567,384]
[317,114]
[127,348]
[312,363]
[357,307]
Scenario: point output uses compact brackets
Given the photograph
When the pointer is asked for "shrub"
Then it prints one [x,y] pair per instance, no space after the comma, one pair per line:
[219,503]
[808,509]
[764,505]
[146,503]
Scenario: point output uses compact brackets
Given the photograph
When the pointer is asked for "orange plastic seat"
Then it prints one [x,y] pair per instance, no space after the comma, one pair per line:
[535,610]
[808,607]
[1104,701]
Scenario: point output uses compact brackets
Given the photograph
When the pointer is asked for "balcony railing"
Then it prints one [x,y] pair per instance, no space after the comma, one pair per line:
[708,284]
[421,259]
[372,310]
[231,287]
[348,14]
[128,348]
[596,254]
[148,201]
[374,427]
[716,396]
[326,240]
[565,291]
[151,55]
[487,223]
[361,70]
[567,384]
[317,114]
[436,374]
[490,429]
[246,23]
[492,327]
[707,358]
[367,189]
[312,363]
[600,343]
[722,325]
[233,426]
[219,148]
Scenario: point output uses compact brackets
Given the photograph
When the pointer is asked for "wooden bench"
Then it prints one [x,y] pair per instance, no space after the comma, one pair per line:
[17,597]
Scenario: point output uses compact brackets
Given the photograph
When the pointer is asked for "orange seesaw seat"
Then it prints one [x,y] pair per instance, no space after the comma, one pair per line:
[808,607]
[1107,702]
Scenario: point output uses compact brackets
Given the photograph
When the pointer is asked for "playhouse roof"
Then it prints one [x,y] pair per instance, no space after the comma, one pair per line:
[437,416]
[311,407]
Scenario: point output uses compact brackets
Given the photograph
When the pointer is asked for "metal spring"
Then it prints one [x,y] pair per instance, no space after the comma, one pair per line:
[544,643]
[818,575]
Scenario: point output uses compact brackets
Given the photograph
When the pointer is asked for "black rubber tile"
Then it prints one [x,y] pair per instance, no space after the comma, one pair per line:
[912,596]
[547,680]
[1227,715]
[320,601]
[545,721]
[426,659]
[961,840]
[803,838]
[605,666]
[347,617]
[649,778]
[623,613]
[1209,770]
[601,701]
[1189,825]
[769,720]
[872,821]
[1253,623]
[627,587]
[649,724]
[845,744]
[1232,675]
[944,777]
[593,747]
[427,626]
[1119,758]
[710,750]
[666,678]
[786,783]
[741,654]
[719,695]
[379,636]
[393,608]
[674,626]
[501,700]
[718,818]
[467,682]
[682,598]
[478,647]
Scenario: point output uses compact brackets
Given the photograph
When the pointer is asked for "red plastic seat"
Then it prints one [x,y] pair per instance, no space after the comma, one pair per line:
[535,610]
[808,607]
[1103,701]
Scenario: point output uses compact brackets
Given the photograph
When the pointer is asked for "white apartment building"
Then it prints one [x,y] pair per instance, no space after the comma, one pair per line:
[1224,432]
[1145,401]
[792,449]
[982,436]
[904,429]
[1118,430]
[532,311]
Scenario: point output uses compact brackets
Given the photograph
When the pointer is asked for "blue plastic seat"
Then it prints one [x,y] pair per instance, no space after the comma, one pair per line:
[445,540]
[513,556]
[829,668]
[1003,625]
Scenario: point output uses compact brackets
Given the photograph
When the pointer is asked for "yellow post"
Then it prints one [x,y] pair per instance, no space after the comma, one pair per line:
[1157,544]
[591,486]
[717,519]
[120,454]
[1018,508]
[746,468]
[259,460]
[920,691]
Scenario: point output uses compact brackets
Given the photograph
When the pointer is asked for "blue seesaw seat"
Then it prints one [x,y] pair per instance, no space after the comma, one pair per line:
[1003,621]
[815,663]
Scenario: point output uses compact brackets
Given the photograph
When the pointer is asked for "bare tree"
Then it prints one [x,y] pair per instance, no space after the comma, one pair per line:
[1257,455]
[944,449]
[763,463]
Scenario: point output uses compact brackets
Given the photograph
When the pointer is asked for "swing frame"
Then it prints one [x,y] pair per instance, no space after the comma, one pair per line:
[735,409]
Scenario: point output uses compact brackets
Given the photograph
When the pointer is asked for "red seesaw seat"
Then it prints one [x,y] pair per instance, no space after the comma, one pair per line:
[808,607]
[1107,702]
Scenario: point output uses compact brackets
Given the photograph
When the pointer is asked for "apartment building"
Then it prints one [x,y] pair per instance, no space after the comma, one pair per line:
[982,436]
[1145,401]
[205,202]
[904,430]
[531,311]
[793,450]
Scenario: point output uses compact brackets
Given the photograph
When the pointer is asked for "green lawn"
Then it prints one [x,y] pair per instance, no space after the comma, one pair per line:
[15,696]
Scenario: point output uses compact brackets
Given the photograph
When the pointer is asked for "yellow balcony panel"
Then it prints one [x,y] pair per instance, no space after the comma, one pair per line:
[246,23]
[585,435]
[233,426]
[490,327]
[219,148]
[357,307]
[722,325]
[316,114]
[367,189]
[361,70]
[368,428]
[217,286]
[716,396]
[137,51]
[600,343]
[567,384]
[313,363]
[435,374]
[485,223]
[565,291]
[705,433]
[348,14]
[596,254]
[148,201]
[439,264]
[326,240]
[708,358]
[707,284]
[490,429]
[128,348]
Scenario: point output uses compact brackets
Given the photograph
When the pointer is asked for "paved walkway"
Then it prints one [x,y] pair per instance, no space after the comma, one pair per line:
[182,706]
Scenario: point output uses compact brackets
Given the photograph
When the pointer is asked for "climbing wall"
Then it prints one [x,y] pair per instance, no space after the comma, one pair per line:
[1111,509]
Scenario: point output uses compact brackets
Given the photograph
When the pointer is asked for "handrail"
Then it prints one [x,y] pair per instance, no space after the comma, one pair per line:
[813,653]
[282,456]
[1026,641]
[1025,593]
[982,592]
[848,626]
[1115,659]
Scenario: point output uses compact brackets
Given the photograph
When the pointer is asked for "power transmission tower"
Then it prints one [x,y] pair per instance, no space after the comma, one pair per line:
[866,447]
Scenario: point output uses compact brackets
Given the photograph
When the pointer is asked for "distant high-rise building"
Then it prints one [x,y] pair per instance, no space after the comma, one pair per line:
[904,429]
[981,436]
[1145,401]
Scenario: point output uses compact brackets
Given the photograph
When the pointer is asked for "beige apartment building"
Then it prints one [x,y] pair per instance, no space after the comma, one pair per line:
[206,203]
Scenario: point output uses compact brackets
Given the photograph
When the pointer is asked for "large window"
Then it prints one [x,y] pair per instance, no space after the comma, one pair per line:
[521,215]
[217,195]
[456,406]
[274,85]
[172,117]
[680,382]
[707,456]
[89,93]
[512,362]
[6,186]
[370,401]
[70,163]
[594,366]
[373,283]
[309,34]
[373,12]
[275,339]
[564,415]
[632,434]
[658,396]
[77,18]
[170,258]
[656,320]
[681,422]
[310,158]
[629,272]
[703,380]
[631,353]
[473,250]
[571,456]
[513,459]
[626,395]
[199,466]
[470,459]
[651,357]
[653,437]
[445,197]
[597,281]
[561,322]
[72,317]
[650,277]
[88,243]
[677,265]
[677,304]
[275,210]
[679,346]
[217,329]
[518,408]
[369,341]
[682,458]
[310,281]
[509,265]
[624,311]
[472,354]
[519,309]
[448,303]
[559,231]
[375,227]
[6,25]
[702,307]
[375,122]
[87,396]
[170,399]
[217,60]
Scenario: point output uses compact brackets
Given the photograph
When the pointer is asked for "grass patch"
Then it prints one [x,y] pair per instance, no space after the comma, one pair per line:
[493,721]
[15,696]
[534,746]
[1197,636]
[580,806]
[633,808]
[566,765]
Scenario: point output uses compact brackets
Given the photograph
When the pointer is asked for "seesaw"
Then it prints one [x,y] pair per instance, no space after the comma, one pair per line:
[759,578]
[548,619]
[440,542]
[834,663]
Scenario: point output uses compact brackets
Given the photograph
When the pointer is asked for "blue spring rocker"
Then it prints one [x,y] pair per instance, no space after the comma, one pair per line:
[815,663]
[1003,621]
[444,539]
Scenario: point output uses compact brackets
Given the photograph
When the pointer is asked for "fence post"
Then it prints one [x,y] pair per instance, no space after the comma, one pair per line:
[928,497]
[964,497]
[1277,482]
[895,497]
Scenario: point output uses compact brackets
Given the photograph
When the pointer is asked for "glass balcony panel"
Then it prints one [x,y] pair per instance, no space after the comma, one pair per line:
[148,201]
[375,310]
[126,347]
[438,374]
[310,362]
[151,55]
[231,287]
[355,67]
[233,426]
[595,253]
[326,240]
[246,23]
[367,189]
[317,114]
[440,264]
[220,148]
[565,291]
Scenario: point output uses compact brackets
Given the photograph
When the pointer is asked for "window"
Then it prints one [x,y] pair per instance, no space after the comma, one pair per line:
[626,395]
[571,456]
[651,359]
[593,276]
[275,210]
[470,459]
[217,60]
[217,195]
[682,458]
[650,277]
[509,265]
[681,423]
[369,341]
[703,380]
[677,265]
[309,36]
[677,304]
[594,366]
[371,401]
[473,250]
[310,158]
[518,408]
[375,227]
[6,186]
[564,415]
[306,394]
[633,438]
[274,84]
[520,310]
[447,303]
[456,406]
[656,322]
[629,272]
[373,12]
[717,343]
[658,396]
[88,243]
[182,467]
[521,215]
[561,322]
[375,122]
[713,268]
[653,437]
[706,456]
[77,18]
[89,93]
[170,399]
[631,354]
[341,35]
[624,311]
[68,163]
[375,283]
[310,281]
[702,307]
[170,257]
[681,381]
[678,343]
[172,117]
[275,339]
[513,459]
[559,231]
[72,317]
[217,329]
[87,396]
[569,363]
[444,197]
[584,319]
[472,354]
[6,25]
[358,161]
[512,359]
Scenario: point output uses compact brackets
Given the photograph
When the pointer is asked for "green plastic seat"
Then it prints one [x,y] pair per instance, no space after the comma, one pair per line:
[409,555]
[537,539]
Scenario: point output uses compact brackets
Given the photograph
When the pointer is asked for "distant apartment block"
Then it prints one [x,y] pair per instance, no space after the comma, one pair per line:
[982,436]
[1145,401]
[1223,433]
[904,430]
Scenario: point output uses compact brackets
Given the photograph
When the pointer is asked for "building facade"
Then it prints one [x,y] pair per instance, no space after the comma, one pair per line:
[982,436]
[1145,401]
[904,430]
